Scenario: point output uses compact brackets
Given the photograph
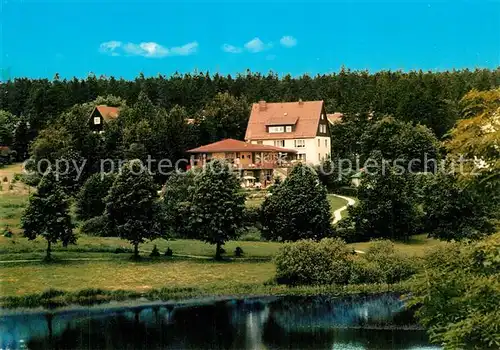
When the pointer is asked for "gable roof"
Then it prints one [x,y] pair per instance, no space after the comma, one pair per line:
[335,117]
[304,115]
[232,145]
[108,113]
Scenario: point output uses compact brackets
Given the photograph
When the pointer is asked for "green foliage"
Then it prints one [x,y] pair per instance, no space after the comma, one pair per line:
[217,205]
[90,200]
[225,117]
[387,206]
[155,252]
[238,252]
[308,262]
[132,207]
[365,271]
[393,266]
[47,214]
[457,295]
[331,176]
[177,197]
[456,212]
[169,252]
[297,209]
[96,226]
[403,141]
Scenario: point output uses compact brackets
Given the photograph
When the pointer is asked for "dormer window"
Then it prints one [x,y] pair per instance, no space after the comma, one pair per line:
[288,128]
[97,120]
[276,129]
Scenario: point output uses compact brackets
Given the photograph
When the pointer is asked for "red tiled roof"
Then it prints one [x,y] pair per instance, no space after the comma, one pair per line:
[334,117]
[231,145]
[107,112]
[305,115]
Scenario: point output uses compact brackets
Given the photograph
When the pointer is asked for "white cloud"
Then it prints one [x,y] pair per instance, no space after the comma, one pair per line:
[147,49]
[185,50]
[257,45]
[231,48]
[288,41]
[110,47]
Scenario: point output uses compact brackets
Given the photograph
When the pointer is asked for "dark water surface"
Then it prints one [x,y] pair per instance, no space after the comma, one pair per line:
[375,322]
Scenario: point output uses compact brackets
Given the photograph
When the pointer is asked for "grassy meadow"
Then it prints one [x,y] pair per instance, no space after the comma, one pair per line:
[104,262]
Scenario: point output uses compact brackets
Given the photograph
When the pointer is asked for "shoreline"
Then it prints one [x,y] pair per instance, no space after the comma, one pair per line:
[51,300]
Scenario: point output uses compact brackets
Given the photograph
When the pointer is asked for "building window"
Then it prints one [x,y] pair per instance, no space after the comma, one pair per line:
[326,143]
[259,142]
[322,128]
[319,143]
[300,143]
[301,156]
[97,120]
[289,128]
[319,156]
[322,117]
[279,143]
[275,129]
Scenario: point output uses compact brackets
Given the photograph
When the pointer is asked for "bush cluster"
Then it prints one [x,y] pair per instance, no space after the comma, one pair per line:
[308,262]
[330,261]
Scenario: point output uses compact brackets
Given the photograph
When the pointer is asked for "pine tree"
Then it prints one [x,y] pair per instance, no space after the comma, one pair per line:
[298,208]
[47,214]
[132,208]
[217,205]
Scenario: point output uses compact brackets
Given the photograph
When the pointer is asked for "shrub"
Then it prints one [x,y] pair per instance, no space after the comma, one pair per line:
[95,227]
[347,191]
[7,232]
[307,262]
[394,266]
[5,179]
[238,252]
[364,271]
[155,252]
[250,234]
[169,252]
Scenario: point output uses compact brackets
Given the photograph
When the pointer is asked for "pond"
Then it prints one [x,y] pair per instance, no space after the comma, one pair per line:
[320,322]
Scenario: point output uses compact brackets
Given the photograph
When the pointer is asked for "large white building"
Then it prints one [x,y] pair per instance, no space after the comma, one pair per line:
[302,126]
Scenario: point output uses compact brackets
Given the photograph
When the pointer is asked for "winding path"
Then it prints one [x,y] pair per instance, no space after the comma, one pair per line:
[337,213]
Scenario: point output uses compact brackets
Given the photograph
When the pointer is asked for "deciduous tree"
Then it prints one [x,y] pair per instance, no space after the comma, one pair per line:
[217,205]
[132,207]
[47,214]
[298,208]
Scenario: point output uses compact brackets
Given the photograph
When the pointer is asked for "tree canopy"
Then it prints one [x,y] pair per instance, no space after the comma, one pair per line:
[216,210]
[47,214]
[132,208]
[297,208]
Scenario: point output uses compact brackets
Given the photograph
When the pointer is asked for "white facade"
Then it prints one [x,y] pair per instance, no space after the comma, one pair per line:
[315,150]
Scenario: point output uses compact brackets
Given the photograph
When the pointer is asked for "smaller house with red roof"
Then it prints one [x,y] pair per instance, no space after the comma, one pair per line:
[102,114]
[259,164]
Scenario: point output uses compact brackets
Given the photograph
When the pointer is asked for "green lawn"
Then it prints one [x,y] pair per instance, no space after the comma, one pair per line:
[27,278]
[93,263]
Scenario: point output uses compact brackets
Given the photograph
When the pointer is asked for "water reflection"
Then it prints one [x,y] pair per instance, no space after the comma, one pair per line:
[379,322]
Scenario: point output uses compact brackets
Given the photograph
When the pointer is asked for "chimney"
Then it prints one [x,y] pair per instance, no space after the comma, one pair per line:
[301,102]
[262,105]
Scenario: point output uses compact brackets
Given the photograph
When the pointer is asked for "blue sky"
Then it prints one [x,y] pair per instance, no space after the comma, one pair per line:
[73,38]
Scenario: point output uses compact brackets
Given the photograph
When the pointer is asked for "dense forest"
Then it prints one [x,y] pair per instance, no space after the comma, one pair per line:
[429,98]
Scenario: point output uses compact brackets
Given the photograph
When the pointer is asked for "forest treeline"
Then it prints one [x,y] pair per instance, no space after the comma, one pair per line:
[429,98]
